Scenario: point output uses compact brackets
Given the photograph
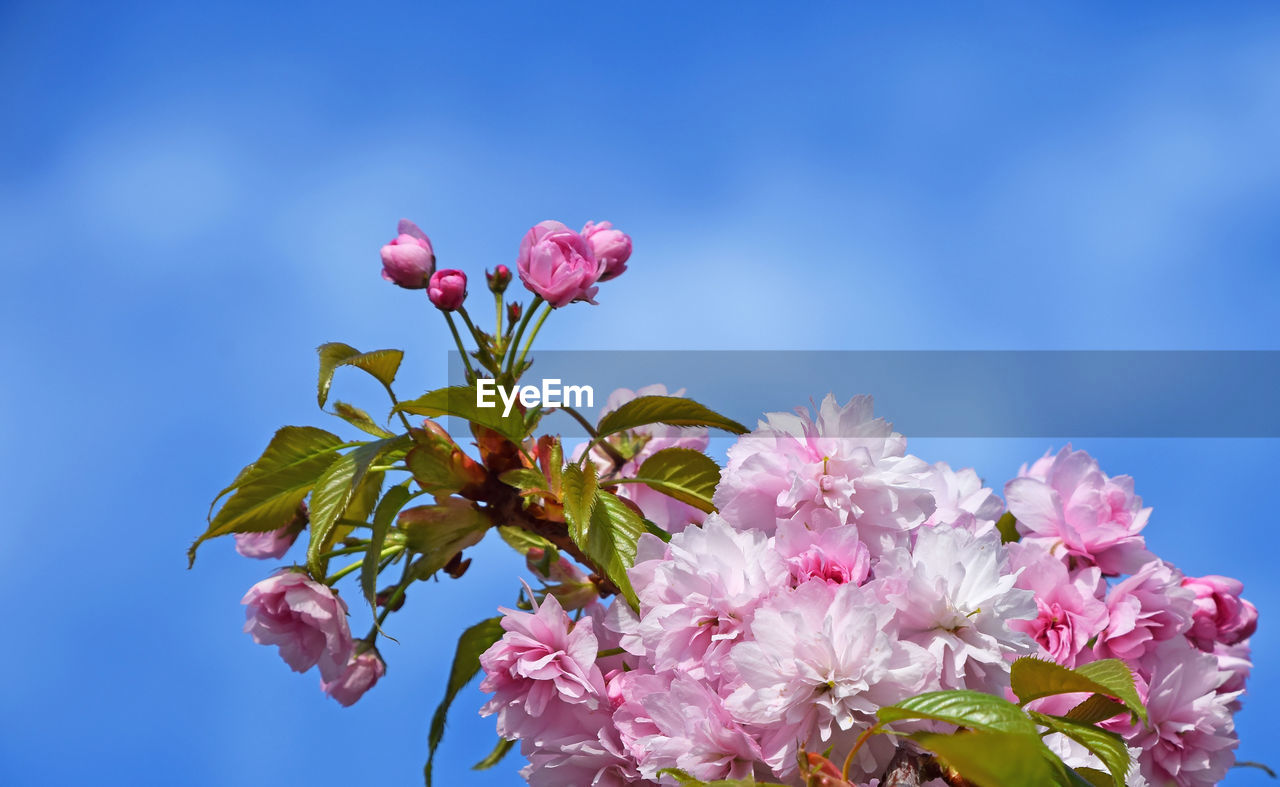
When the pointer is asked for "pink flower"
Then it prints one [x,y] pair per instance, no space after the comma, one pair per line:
[1069,613]
[843,460]
[955,597]
[1149,607]
[304,618]
[408,260]
[822,657]
[825,552]
[264,546]
[1191,734]
[1220,614]
[1071,504]
[698,593]
[673,721]
[361,673]
[544,664]
[612,248]
[558,264]
[448,289]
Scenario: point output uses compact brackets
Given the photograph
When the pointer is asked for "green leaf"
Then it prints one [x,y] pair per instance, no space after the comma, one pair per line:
[971,709]
[1007,524]
[524,478]
[522,540]
[672,410]
[657,531]
[1092,777]
[382,364]
[578,495]
[388,507]
[466,663]
[359,419]
[687,475]
[1095,709]
[995,759]
[494,757]
[610,540]
[1033,678]
[267,492]
[460,402]
[1108,746]
[441,531]
[336,489]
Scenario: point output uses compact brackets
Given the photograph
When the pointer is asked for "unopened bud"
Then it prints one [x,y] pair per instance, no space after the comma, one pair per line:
[513,312]
[499,279]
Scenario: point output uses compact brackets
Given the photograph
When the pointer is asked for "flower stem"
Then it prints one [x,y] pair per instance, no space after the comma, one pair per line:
[515,342]
[536,327]
[453,328]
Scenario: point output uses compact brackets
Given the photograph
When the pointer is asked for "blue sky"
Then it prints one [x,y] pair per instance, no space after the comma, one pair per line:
[192,198]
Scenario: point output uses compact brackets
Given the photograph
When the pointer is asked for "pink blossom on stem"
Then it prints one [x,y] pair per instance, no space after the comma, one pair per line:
[408,260]
[612,248]
[558,264]
[544,664]
[1221,615]
[1068,503]
[303,618]
[362,671]
[447,289]
[1147,608]
[1069,613]
[267,545]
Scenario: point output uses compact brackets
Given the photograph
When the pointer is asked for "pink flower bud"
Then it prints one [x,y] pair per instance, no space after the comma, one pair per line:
[408,260]
[361,673]
[499,279]
[268,545]
[513,312]
[612,248]
[448,289]
[1220,614]
[272,543]
[304,618]
[558,264]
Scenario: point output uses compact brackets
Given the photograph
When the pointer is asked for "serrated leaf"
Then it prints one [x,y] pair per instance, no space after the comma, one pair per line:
[995,759]
[494,757]
[388,507]
[578,496]
[359,419]
[1108,746]
[1033,678]
[671,410]
[610,540]
[268,491]
[381,364]
[337,487]
[522,540]
[438,532]
[972,709]
[460,401]
[1007,524]
[1095,709]
[687,475]
[433,468]
[466,663]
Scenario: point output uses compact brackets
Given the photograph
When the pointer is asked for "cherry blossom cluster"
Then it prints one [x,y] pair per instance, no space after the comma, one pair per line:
[842,574]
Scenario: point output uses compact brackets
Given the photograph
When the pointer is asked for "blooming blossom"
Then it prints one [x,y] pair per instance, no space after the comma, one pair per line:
[303,618]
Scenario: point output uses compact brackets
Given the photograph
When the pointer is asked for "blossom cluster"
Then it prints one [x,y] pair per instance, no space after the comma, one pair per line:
[842,574]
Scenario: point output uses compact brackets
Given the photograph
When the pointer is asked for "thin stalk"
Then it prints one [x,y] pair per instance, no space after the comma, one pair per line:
[356,566]
[515,342]
[537,326]
[457,338]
